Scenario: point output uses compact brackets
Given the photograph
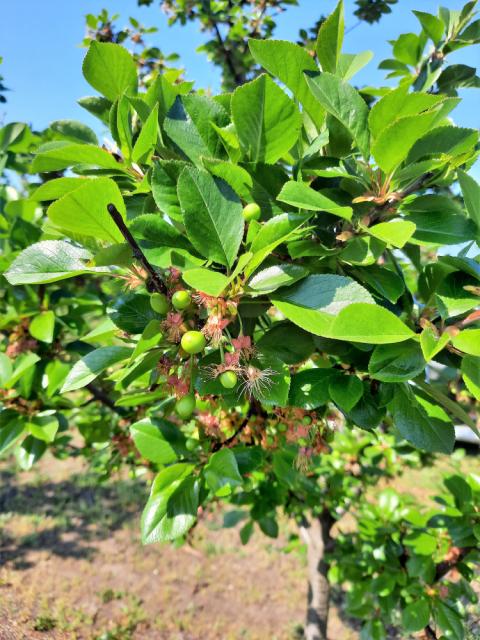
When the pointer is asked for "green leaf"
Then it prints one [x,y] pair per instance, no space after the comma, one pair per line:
[396,362]
[330,39]
[434,28]
[369,323]
[121,125]
[395,141]
[407,48]
[314,302]
[91,365]
[431,344]
[6,369]
[75,131]
[132,312]
[471,375]
[243,184]
[69,155]
[413,423]
[287,62]
[50,261]
[221,473]
[345,391]
[302,196]
[350,64]
[158,232]
[212,214]
[449,621]
[42,326]
[172,508]
[344,103]
[451,296]
[164,186]
[287,342]
[337,307]
[189,125]
[395,233]
[151,336]
[439,220]
[448,141]
[275,390]
[44,426]
[157,440]
[267,121]
[382,280]
[396,104]
[309,389]
[110,69]
[23,363]
[468,341]
[277,276]
[423,544]
[442,228]
[97,106]
[84,210]
[29,452]
[210,282]
[56,188]
[471,195]
[444,401]
[147,138]
[10,433]
[274,232]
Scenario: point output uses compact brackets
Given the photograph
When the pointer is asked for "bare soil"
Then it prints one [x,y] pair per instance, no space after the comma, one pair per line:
[72,566]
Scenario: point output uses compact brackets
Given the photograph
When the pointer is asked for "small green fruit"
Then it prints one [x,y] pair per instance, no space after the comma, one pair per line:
[181,299]
[228,379]
[184,407]
[159,303]
[251,212]
[193,342]
[191,444]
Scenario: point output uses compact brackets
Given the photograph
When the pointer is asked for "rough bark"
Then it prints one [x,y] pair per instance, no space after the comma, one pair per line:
[316,534]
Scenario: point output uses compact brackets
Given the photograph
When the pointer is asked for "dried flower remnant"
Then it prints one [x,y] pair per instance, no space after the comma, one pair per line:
[256,381]
[214,327]
[173,326]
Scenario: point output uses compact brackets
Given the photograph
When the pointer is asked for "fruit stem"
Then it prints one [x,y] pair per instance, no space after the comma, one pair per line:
[192,369]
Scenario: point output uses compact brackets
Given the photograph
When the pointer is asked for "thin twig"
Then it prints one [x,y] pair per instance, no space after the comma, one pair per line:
[418,184]
[255,409]
[430,633]
[138,254]
[444,567]
[102,397]
[227,54]
[228,441]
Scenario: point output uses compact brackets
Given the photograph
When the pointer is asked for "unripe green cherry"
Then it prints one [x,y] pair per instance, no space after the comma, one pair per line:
[251,212]
[228,379]
[159,303]
[191,444]
[184,407]
[193,342]
[181,299]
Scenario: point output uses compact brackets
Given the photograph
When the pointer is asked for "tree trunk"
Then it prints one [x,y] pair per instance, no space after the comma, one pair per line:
[316,534]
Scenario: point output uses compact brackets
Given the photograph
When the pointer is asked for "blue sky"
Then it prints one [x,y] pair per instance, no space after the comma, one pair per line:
[39,42]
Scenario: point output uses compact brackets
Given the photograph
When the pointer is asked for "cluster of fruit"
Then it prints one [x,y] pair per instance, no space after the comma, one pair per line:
[193,341]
